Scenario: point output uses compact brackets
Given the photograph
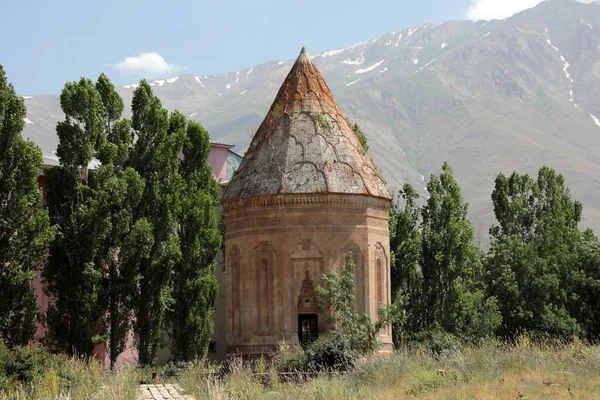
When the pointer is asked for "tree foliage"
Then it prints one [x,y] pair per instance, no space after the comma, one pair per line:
[436,267]
[25,230]
[94,212]
[336,295]
[540,266]
[194,282]
[173,268]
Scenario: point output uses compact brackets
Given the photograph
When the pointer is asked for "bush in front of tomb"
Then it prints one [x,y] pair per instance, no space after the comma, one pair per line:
[331,354]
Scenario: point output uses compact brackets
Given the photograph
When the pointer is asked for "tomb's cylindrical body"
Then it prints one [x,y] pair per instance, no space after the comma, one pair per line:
[277,249]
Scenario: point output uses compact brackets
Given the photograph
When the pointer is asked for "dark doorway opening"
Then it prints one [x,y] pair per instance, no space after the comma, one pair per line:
[308,328]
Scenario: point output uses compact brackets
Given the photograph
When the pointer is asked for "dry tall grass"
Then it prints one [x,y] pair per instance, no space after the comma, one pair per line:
[79,379]
[492,371]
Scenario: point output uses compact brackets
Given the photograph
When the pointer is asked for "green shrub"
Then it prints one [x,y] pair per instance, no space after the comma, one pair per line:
[290,359]
[173,369]
[330,353]
[21,364]
[435,340]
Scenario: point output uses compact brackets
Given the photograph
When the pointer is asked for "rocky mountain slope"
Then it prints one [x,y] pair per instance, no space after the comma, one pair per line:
[487,97]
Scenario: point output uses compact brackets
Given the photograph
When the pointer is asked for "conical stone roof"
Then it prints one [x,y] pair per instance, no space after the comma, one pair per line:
[305,145]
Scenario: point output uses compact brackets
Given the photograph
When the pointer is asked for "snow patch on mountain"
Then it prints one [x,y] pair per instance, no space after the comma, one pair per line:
[371,68]
[398,41]
[27,97]
[414,60]
[197,78]
[425,66]
[331,53]
[566,67]
[131,86]
[228,86]
[353,82]
[244,92]
[191,115]
[173,79]
[27,121]
[596,120]
[444,45]
[359,61]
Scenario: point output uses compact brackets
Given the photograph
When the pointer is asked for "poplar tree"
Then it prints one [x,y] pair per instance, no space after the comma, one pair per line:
[454,297]
[437,270]
[151,258]
[194,281]
[118,191]
[25,230]
[93,212]
[73,278]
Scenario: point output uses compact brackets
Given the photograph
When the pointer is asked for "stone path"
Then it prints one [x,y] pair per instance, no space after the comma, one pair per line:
[163,392]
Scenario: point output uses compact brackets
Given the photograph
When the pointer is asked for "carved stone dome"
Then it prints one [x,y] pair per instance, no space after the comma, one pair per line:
[305,145]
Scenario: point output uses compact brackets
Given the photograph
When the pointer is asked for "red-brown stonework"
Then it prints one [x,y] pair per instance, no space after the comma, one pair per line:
[305,197]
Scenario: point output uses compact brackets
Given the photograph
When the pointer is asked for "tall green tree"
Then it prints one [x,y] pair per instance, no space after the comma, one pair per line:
[118,192]
[405,257]
[25,230]
[540,266]
[194,284]
[453,291]
[436,268]
[73,275]
[155,156]
[93,209]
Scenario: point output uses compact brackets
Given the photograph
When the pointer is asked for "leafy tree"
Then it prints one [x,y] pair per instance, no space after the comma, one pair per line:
[25,230]
[155,156]
[540,266]
[453,292]
[362,138]
[194,281]
[94,213]
[405,255]
[73,275]
[336,295]
[437,269]
[118,192]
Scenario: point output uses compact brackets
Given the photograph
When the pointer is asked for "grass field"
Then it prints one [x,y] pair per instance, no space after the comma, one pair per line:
[491,371]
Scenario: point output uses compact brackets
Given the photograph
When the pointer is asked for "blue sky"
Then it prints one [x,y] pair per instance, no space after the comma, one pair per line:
[47,43]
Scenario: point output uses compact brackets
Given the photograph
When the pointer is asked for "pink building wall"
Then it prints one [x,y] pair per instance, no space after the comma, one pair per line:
[217,159]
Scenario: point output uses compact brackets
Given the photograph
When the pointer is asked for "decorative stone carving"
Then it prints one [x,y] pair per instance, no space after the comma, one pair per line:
[307,301]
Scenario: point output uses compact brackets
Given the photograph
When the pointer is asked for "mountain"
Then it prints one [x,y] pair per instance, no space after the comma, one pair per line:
[487,97]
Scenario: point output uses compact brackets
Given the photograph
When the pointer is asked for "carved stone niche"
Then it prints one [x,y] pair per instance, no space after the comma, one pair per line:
[359,272]
[381,274]
[306,258]
[264,257]
[307,301]
[234,277]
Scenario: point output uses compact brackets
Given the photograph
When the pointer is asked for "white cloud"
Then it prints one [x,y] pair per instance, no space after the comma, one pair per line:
[498,9]
[146,64]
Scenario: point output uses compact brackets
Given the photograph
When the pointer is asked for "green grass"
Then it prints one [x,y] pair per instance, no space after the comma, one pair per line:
[491,371]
